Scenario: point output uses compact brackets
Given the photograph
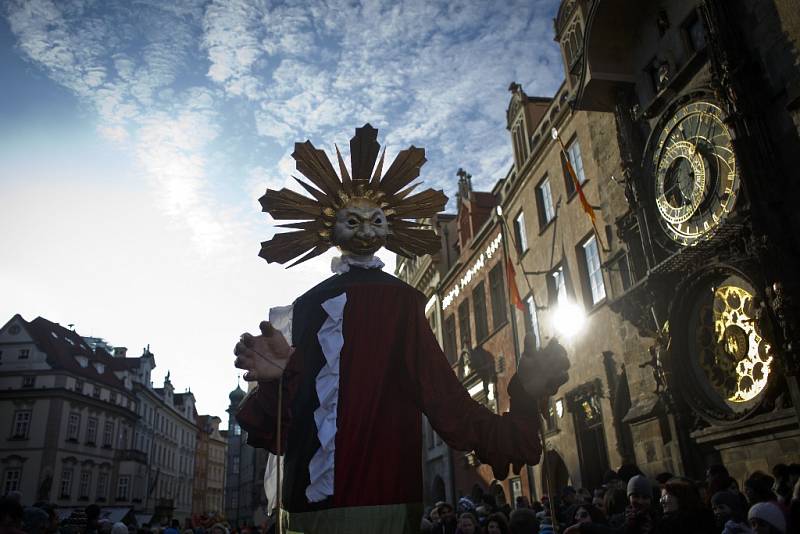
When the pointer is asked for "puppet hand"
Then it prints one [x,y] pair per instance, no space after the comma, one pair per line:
[543,371]
[264,357]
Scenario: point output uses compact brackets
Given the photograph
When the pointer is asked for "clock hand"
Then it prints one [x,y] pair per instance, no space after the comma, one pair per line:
[697,133]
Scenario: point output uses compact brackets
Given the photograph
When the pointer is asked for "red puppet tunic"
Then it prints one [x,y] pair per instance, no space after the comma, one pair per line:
[389,369]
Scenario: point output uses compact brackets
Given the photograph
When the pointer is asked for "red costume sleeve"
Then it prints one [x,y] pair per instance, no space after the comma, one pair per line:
[465,424]
[258,412]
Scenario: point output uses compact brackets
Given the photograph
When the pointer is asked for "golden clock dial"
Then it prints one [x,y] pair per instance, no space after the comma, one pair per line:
[696,173]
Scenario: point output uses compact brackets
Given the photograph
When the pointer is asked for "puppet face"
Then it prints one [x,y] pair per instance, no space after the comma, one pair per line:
[360,228]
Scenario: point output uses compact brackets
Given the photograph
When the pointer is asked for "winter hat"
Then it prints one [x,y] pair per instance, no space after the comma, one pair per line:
[769,512]
[640,485]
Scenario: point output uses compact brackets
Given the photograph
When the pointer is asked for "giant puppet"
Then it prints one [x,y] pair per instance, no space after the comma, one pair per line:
[361,364]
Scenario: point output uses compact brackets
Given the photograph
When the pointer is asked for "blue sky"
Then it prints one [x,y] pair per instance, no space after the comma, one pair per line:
[137,136]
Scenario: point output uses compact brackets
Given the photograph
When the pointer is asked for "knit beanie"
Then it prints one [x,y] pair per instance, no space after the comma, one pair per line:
[769,512]
[640,485]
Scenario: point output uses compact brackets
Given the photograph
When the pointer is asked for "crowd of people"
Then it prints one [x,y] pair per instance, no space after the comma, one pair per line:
[628,502]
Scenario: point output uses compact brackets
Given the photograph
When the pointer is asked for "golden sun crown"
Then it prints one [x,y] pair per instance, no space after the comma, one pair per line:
[390,192]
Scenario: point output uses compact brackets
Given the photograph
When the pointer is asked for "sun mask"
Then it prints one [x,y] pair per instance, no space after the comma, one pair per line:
[359,214]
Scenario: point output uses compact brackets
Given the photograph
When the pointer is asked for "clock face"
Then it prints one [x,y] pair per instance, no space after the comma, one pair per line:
[696,173]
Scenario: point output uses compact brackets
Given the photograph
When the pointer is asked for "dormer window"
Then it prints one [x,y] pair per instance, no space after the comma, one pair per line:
[99,367]
[83,361]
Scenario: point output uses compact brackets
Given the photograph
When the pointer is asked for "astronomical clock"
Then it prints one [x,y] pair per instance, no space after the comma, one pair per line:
[720,357]
[695,173]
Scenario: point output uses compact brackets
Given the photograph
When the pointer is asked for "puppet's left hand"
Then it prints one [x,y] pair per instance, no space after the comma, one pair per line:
[543,371]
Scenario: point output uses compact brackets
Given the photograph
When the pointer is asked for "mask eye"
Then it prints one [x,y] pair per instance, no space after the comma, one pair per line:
[352,221]
[377,220]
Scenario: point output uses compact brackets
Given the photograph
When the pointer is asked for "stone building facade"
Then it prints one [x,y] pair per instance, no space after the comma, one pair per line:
[70,419]
[704,95]
[478,335]
[562,271]
[209,470]
[87,426]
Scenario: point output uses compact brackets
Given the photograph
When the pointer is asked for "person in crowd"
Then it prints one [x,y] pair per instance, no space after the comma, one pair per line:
[35,520]
[794,508]
[767,518]
[782,486]
[467,524]
[730,515]
[758,488]
[119,528]
[586,513]
[628,471]
[584,496]
[92,519]
[447,519]
[173,528]
[682,509]
[614,502]
[11,515]
[497,524]
[523,521]
[522,501]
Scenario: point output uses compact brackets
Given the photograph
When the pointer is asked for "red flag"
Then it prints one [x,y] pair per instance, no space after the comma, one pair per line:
[585,203]
[513,290]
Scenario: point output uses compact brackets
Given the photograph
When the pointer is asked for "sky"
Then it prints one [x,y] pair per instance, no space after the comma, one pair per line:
[136,137]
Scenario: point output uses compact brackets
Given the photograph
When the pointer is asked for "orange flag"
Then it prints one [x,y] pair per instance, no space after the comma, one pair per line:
[513,290]
[585,203]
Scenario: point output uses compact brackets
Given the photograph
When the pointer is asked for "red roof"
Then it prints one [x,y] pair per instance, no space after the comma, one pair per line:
[62,345]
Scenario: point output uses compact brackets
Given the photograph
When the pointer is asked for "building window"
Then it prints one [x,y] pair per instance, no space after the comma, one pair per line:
[108,434]
[544,200]
[79,386]
[450,349]
[96,392]
[24,354]
[532,320]
[479,307]
[66,483]
[594,273]
[73,426]
[574,155]
[22,424]
[102,485]
[91,430]
[235,466]
[519,233]
[83,484]
[123,487]
[497,290]
[518,139]
[237,430]
[557,286]
[11,480]
[465,333]
[28,381]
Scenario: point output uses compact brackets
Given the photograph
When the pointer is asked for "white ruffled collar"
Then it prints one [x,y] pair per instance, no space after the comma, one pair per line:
[341,264]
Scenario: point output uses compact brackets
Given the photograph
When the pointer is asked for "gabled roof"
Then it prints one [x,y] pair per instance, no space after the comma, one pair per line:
[62,345]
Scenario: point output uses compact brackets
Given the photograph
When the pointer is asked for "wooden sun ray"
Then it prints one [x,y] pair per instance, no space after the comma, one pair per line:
[376,176]
[424,204]
[304,225]
[403,170]
[400,195]
[313,253]
[364,149]
[315,165]
[283,247]
[287,204]
[321,197]
[347,183]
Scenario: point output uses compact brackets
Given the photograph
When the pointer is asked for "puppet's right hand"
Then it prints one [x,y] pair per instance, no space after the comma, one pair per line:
[263,357]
